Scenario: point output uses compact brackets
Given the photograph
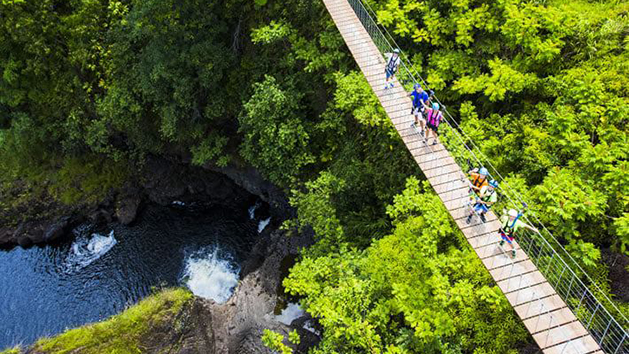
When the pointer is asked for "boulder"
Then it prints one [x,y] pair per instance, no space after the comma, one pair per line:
[57,229]
[239,323]
[127,209]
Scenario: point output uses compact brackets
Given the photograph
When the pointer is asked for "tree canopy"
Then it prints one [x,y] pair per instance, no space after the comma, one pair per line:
[90,88]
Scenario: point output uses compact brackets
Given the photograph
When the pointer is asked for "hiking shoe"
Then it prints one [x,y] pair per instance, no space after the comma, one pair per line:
[413,125]
[434,142]
[482,218]
[469,219]
[513,254]
[502,243]
[391,85]
[422,132]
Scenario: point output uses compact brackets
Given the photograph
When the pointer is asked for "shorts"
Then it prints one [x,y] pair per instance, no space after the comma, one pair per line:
[389,73]
[508,238]
[432,127]
[480,208]
[418,112]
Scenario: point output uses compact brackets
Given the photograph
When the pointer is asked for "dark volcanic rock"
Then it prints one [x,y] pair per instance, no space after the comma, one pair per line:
[127,209]
[251,180]
[99,218]
[160,181]
[57,229]
[165,181]
[28,233]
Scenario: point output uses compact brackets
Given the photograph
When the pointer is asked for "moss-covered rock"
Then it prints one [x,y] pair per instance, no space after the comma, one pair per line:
[172,321]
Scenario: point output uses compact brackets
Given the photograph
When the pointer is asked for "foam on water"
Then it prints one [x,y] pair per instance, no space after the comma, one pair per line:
[290,313]
[252,210]
[263,224]
[210,275]
[85,250]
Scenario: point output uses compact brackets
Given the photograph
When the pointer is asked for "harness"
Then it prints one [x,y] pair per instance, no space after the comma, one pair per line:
[509,230]
[487,197]
[391,65]
[476,181]
[433,118]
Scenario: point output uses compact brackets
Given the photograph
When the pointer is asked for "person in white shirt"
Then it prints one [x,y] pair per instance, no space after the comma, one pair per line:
[393,64]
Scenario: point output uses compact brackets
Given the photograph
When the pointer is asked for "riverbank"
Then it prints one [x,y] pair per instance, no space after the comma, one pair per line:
[176,321]
[234,326]
[159,180]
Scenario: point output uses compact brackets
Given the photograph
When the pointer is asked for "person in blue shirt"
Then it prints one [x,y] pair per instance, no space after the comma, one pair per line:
[420,103]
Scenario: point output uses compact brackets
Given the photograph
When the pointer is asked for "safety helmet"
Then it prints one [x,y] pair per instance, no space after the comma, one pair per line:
[483,171]
[417,86]
[493,183]
[513,213]
[435,106]
[396,51]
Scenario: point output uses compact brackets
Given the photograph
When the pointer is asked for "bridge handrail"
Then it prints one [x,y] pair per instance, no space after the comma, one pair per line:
[586,306]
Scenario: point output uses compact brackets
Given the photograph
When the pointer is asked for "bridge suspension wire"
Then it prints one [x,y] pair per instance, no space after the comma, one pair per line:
[609,330]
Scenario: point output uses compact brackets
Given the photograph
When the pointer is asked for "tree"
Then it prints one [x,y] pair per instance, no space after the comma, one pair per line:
[275,140]
[412,285]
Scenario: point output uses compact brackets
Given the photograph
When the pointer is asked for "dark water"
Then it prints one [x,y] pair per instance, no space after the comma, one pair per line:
[44,290]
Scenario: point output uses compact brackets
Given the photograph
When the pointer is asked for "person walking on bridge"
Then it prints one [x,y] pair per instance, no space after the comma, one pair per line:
[479,178]
[433,119]
[484,201]
[420,104]
[393,63]
[511,224]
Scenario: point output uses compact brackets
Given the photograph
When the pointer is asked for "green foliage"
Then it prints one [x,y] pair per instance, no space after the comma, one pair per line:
[273,32]
[353,94]
[274,341]
[585,252]
[503,79]
[293,337]
[541,87]
[316,209]
[622,225]
[121,333]
[87,180]
[210,149]
[412,285]
[275,140]
[564,200]
[168,95]
[15,350]
[548,82]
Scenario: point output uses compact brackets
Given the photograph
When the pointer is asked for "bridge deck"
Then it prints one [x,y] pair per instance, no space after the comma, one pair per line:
[551,323]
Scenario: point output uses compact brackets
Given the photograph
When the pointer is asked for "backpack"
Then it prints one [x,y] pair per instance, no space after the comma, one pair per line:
[433,118]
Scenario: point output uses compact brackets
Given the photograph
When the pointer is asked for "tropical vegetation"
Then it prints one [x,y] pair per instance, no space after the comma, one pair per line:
[91,88]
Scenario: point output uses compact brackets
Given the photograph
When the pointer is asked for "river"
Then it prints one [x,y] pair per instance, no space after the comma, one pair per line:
[98,273]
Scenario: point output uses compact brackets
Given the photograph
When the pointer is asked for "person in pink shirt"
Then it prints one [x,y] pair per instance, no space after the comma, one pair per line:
[433,119]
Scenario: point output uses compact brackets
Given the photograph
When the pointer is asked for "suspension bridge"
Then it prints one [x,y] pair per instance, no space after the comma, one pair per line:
[562,308]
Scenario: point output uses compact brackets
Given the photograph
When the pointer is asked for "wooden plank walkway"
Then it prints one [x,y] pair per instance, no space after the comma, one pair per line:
[546,316]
